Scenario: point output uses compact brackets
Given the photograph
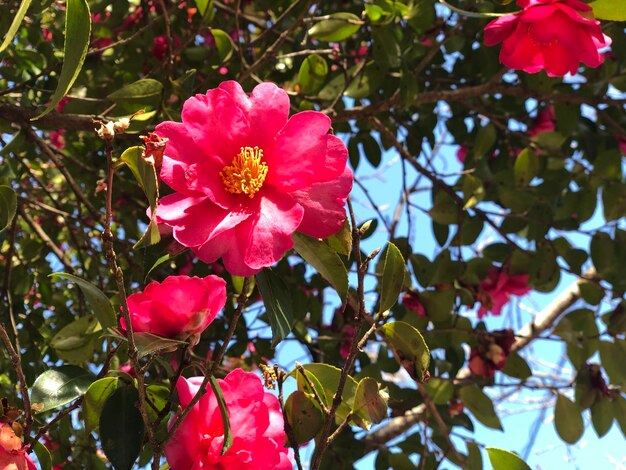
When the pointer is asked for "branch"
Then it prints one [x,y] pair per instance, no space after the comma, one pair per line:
[17,366]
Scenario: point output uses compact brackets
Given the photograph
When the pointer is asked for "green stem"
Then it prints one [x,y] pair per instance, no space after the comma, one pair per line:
[472,14]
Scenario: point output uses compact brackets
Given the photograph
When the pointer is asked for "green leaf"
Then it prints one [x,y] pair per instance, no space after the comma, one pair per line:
[337,27]
[221,403]
[58,386]
[480,405]
[409,348]
[393,268]
[438,304]
[485,139]
[122,428]
[312,74]
[613,362]
[146,176]
[368,402]
[325,260]
[98,302]
[473,191]
[591,292]
[145,90]
[516,366]
[341,242]
[77,34]
[15,24]
[202,6]
[474,457]
[223,48]
[77,341]
[305,418]
[278,304]
[8,206]
[602,416]
[148,343]
[504,460]
[43,456]
[567,419]
[619,411]
[526,167]
[612,10]
[440,390]
[95,398]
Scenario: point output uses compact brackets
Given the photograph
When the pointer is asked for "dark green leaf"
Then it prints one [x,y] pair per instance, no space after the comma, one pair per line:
[221,403]
[409,348]
[341,242]
[145,90]
[480,405]
[368,402]
[43,456]
[393,268]
[438,304]
[504,460]
[619,411]
[474,457]
[485,139]
[516,366]
[77,34]
[337,27]
[122,428]
[278,304]
[8,206]
[526,167]
[325,260]
[567,419]
[312,74]
[77,341]
[602,416]
[94,400]
[58,386]
[15,24]
[97,300]
[305,418]
[440,390]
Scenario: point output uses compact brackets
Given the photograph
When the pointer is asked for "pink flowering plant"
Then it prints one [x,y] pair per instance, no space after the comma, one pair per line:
[295,234]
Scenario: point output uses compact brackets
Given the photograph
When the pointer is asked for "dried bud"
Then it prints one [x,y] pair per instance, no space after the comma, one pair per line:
[269,376]
[153,151]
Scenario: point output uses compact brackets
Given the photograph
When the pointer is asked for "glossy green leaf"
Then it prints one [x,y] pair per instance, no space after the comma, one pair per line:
[43,456]
[312,74]
[58,386]
[612,10]
[8,206]
[567,419]
[336,27]
[98,302]
[409,348]
[341,242]
[504,460]
[122,428]
[480,405]
[365,81]
[76,342]
[95,398]
[77,35]
[202,5]
[305,418]
[223,47]
[440,390]
[369,404]
[145,90]
[393,268]
[325,260]
[526,167]
[278,304]
[221,403]
[15,24]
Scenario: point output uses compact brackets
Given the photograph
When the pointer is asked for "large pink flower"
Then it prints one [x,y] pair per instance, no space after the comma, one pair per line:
[180,306]
[550,35]
[13,454]
[497,288]
[247,176]
[255,420]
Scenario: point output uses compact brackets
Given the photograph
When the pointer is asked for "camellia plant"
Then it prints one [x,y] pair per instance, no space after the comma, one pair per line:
[286,234]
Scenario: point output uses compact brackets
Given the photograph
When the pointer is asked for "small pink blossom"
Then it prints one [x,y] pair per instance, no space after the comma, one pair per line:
[255,420]
[496,290]
[160,48]
[57,138]
[550,35]
[13,455]
[246,176]
[544,122]
[461,153]
[412,302]
[180,306]
[491,352]
[347,334]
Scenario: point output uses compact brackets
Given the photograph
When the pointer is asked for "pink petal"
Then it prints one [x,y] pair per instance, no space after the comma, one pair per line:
[324,206]
[268,114]
[500,29]
[172,208]
[304,153]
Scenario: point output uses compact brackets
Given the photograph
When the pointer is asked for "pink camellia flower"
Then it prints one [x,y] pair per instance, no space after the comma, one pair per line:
[180,306]
[412,302]
[13,455]
[461,153]
[255,421]
[621,141]
[247,176]
[550,35]
[496,290]
[544,122]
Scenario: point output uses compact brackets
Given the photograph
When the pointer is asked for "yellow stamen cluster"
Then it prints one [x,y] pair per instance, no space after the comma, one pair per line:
[246,173]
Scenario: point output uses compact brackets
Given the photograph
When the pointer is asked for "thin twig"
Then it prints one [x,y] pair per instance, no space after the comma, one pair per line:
[16,360]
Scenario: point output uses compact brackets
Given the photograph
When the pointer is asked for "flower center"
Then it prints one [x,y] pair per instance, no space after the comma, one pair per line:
[246,173]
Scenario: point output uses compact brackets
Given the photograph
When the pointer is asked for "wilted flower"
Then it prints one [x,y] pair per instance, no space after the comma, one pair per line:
[13,455]
[491,352]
